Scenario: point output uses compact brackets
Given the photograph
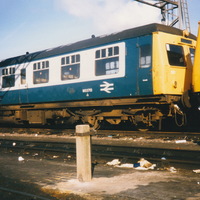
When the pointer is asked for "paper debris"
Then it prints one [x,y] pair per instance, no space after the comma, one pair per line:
[55,156]
[146,168]
[126,165]
[113,162]
[196,171]
[180,141]
[141,165]
[172,169]
[144,165]
[20,158]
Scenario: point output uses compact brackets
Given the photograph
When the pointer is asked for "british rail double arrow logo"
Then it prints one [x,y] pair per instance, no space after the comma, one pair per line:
[107,87]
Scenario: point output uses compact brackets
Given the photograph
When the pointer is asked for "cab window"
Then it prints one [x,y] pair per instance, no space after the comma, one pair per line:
[192,52]
[175,55]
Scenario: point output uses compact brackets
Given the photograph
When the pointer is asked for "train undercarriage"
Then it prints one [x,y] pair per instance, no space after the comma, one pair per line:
[143,113]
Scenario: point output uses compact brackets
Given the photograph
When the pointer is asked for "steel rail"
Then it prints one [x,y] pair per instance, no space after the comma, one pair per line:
[129,152]
[101,133]
[23,193]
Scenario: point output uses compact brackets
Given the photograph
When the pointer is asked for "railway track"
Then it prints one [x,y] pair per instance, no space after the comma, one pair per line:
[188,135]
[123,150]
[16,194]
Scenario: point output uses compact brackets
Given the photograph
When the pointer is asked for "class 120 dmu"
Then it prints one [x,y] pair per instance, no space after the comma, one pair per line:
[140,76]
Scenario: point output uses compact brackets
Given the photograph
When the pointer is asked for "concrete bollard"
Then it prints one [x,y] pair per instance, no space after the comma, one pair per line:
[83,153]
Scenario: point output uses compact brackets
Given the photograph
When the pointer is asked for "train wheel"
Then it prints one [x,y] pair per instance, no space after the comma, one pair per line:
[142,127]
[155,126]
[146,121]
[143,130]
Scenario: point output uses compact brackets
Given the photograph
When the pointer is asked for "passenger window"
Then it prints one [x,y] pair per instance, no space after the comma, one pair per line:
[8,77]
[103,53]
[67,60]
[62,61]
[34,66]
[8,81]
[71,68]
[107,61]
[98,54]
[23,76]
[12,70]
[175,55]
[192,52]
[41,74]
[145,56]
[5,72]
[70,72]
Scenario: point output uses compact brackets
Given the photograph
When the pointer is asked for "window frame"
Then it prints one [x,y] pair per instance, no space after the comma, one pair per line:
[145,62]
[8,77]
[23,76]
[173,58]
[107,57]
[192,55]
[70,63]
[41,72]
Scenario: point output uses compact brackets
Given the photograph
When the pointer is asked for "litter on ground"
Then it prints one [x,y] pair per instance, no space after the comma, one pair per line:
[180,141]
[142,164]
[113,162]
[196,171]
[126,165]
[20,158]
[172,169]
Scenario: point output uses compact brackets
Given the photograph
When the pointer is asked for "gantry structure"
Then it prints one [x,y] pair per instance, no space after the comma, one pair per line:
[173,12]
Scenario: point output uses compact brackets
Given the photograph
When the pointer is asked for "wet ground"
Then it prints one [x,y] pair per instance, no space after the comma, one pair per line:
[50,177]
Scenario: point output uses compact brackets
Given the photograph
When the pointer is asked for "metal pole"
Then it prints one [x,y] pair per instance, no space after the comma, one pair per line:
[83,153]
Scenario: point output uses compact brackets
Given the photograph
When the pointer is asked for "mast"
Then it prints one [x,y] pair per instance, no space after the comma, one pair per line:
[173,12]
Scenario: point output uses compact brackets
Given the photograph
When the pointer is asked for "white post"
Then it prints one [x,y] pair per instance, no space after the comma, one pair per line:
[83,153]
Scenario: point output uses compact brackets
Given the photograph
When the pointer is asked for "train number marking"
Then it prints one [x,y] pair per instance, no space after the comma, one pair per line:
[107,87]
[86,90]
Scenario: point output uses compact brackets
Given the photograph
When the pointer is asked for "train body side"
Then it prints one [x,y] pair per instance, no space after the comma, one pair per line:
[155,77]
[122,83]
[141,75]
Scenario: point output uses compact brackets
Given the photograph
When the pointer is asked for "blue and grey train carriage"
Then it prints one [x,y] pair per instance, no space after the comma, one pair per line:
[136,76]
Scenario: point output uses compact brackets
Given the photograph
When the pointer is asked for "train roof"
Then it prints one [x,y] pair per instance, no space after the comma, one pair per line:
[94,41]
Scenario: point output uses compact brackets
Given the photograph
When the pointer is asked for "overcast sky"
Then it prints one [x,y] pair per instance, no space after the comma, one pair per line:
[33,25]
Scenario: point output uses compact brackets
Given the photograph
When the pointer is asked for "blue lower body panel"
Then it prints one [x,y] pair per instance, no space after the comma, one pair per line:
[102,89]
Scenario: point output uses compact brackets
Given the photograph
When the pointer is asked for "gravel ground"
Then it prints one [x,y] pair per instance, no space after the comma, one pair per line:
[49,177]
